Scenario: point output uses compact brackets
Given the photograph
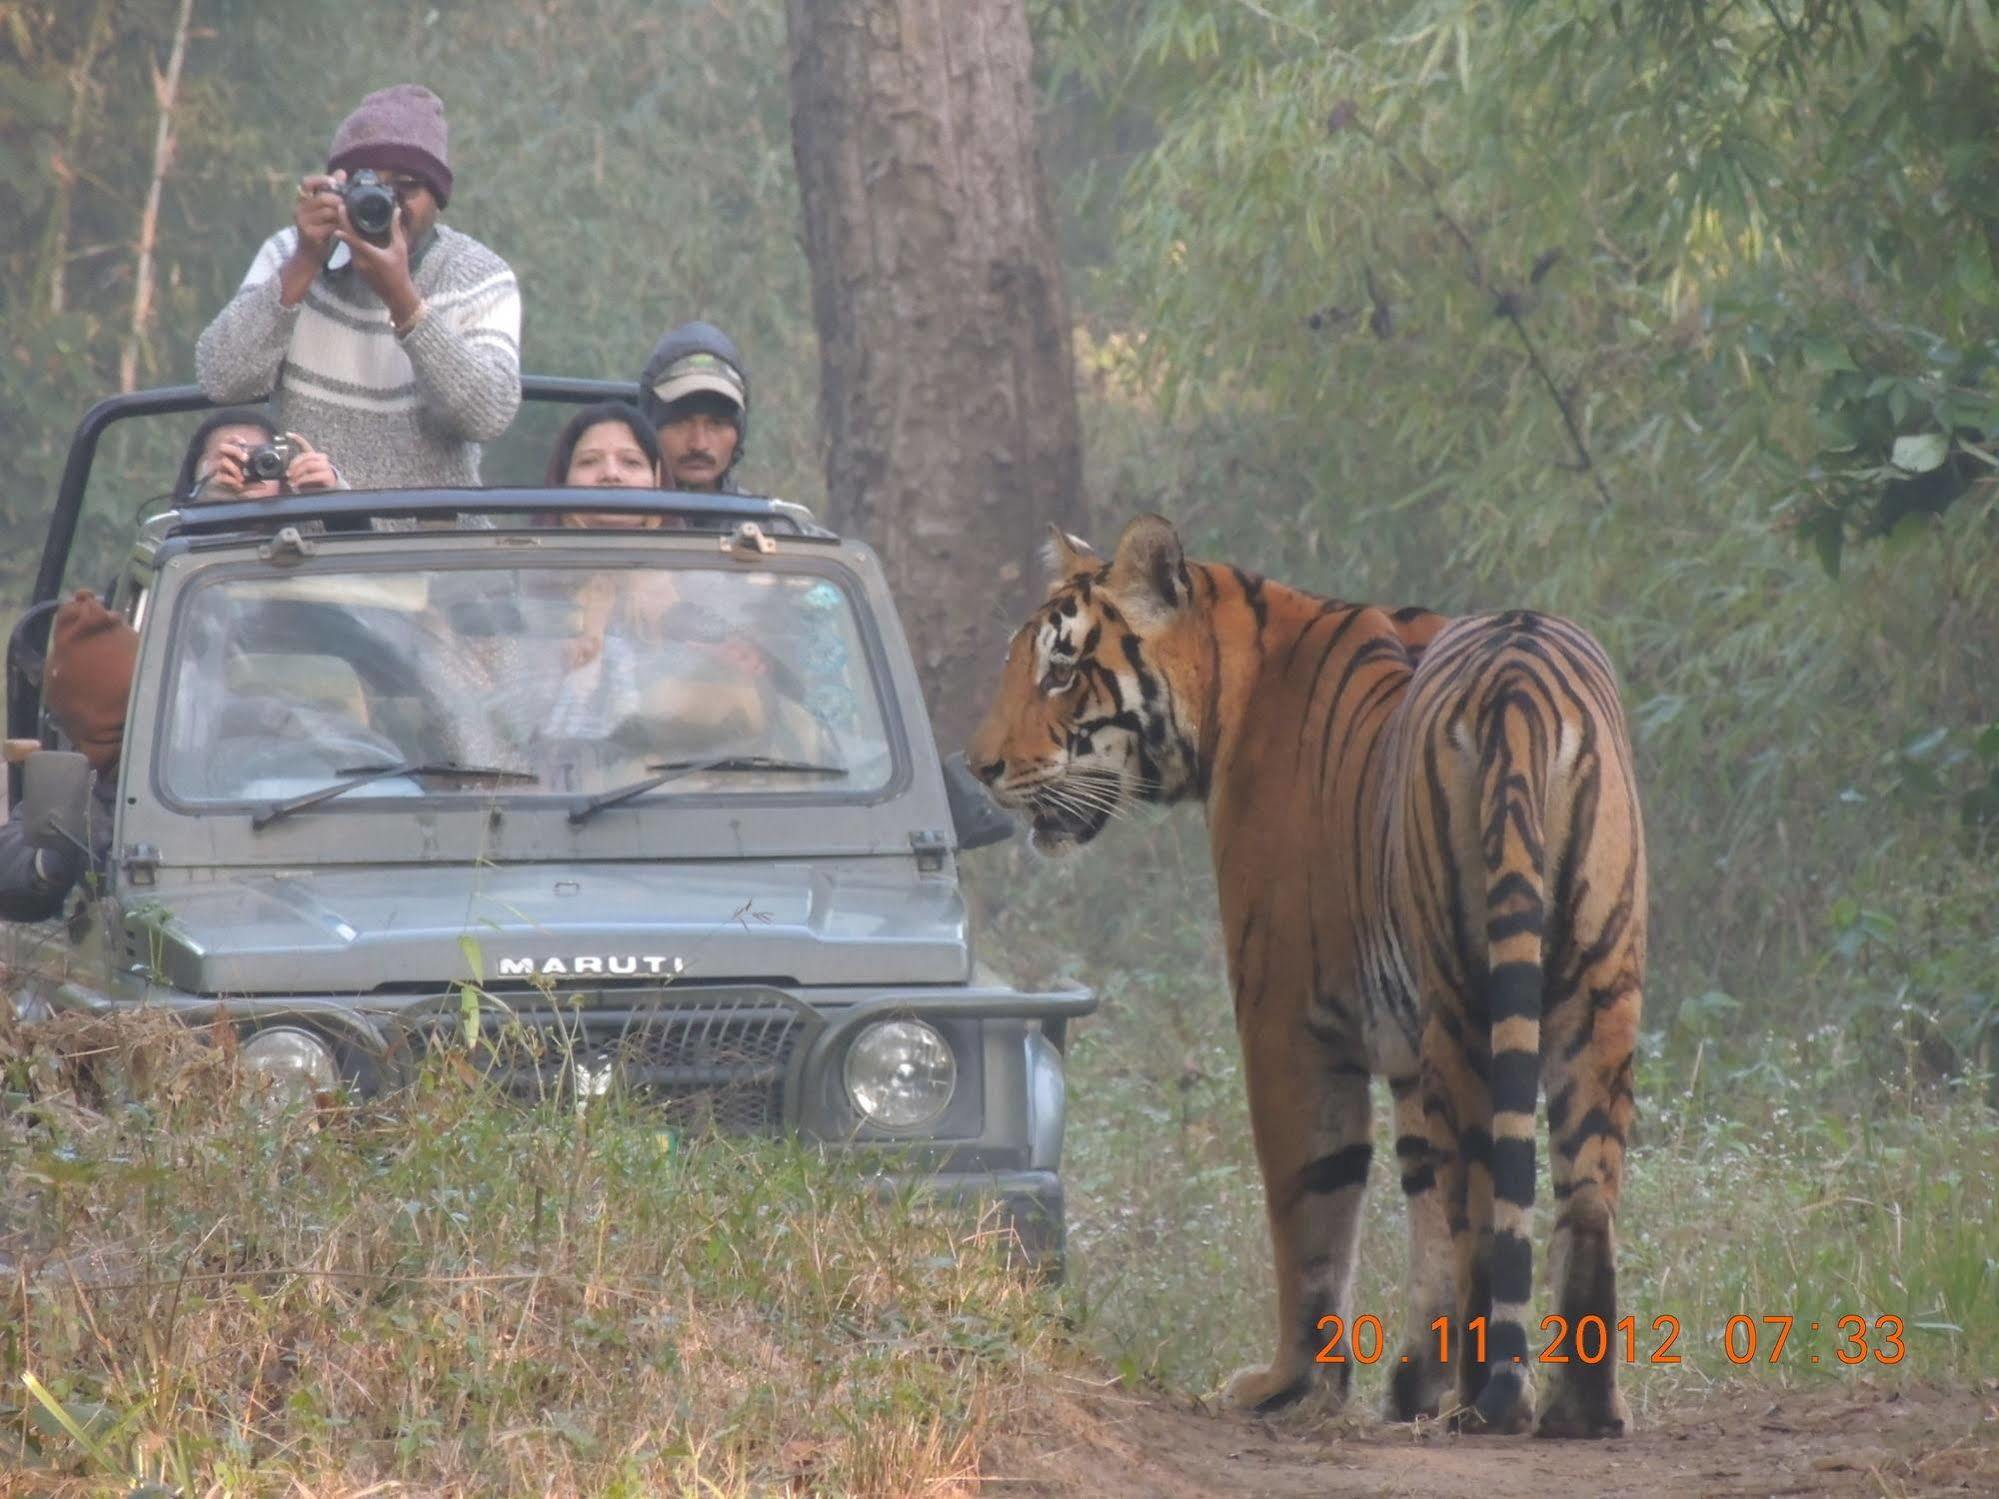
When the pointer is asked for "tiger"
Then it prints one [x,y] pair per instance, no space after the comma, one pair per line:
[1426,839]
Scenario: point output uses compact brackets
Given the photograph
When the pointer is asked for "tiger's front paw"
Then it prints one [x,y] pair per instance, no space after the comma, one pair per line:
[1266,1389]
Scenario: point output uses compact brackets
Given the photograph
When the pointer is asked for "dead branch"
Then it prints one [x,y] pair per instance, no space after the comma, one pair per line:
[1506,304]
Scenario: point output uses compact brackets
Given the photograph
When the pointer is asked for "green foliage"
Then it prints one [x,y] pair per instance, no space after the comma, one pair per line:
[1306,346]
[1701,214]
[1903,439]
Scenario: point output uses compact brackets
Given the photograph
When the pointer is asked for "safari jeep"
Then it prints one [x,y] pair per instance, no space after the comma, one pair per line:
[649,810]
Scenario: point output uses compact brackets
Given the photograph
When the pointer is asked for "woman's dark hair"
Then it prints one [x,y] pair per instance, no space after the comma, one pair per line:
[590,416]
[229,416]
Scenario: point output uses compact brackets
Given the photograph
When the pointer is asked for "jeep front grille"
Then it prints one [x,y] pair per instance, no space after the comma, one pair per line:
[723,1066]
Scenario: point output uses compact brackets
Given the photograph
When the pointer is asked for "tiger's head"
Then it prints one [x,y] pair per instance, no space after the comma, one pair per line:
[1094,705]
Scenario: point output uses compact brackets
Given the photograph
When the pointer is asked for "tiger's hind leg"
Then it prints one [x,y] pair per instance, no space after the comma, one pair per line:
[1309,1115]
[1590,1109]
[1494,1384]
[1419,1378]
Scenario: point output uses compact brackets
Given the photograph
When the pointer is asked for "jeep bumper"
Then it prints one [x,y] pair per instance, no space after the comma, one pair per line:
[749,1058]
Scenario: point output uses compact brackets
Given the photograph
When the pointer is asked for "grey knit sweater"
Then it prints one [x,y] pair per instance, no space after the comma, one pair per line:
[390,412]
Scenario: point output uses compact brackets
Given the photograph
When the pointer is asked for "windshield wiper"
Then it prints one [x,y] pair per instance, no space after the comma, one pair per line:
[364,775]
[673,770]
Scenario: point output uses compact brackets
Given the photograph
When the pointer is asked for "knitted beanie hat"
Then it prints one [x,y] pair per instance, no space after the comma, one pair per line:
[88,679]
[397,129]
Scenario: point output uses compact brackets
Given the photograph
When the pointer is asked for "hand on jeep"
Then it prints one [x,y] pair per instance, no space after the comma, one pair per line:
[311,471]
[384,268]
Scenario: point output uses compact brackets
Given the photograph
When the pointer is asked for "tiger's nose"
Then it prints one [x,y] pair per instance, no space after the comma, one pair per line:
[989,771]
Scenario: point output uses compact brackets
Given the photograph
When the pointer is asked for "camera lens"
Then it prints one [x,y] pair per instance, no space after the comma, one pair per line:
[370,206]
[264,462]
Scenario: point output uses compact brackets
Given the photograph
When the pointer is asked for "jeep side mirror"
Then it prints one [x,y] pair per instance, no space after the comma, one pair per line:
[55,798]
[27,647]
[975,818]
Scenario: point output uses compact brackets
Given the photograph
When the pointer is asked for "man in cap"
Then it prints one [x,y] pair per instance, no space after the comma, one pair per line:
[695,392]
[399,357]
[87,683]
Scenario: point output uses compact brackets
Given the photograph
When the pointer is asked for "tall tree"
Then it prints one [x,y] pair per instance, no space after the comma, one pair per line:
[947,379]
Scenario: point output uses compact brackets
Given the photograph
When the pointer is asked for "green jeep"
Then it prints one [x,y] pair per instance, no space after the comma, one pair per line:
[383,785]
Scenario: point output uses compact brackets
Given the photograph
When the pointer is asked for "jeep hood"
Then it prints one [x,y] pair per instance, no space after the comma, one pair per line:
[397,929]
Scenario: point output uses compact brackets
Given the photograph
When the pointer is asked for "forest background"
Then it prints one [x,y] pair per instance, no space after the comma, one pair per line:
[1681,319]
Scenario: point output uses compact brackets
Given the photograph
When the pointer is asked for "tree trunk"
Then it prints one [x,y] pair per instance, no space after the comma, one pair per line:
[53,280]
[166,92]
[948,394]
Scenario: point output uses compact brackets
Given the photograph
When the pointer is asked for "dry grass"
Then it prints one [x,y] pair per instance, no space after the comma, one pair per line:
[444,1293]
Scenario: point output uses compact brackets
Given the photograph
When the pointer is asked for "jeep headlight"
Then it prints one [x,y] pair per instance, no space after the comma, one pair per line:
[900,1073]
[286,1063]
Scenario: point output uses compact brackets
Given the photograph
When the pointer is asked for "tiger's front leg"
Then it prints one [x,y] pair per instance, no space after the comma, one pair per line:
[1309,1115]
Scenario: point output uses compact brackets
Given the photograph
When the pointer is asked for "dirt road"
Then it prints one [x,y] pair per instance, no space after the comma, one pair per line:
[1856,1439]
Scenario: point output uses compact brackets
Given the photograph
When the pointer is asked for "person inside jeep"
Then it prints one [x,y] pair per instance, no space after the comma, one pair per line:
[86,684]
[608,446]
[285,683]
[217,463]
[611,445]
[696,393]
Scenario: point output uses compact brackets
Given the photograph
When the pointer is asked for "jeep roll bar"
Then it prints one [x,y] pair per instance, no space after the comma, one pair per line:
[174,399]
[350,510]
[28,640]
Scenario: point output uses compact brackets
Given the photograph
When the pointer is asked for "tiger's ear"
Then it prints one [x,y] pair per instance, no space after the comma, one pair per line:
[1067,556]
[1149,572]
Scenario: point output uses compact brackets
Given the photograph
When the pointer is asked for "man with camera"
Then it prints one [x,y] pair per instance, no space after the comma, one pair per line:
[287,464]
[393,339]
[236,454]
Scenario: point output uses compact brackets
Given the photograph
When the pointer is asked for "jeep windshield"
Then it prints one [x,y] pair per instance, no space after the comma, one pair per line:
[534,680]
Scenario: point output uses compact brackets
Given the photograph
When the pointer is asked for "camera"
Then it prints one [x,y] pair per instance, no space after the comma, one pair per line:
[269,460]
[371,205]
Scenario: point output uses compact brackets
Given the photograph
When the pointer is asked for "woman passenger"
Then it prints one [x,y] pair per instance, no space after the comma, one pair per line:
[606,446]
[624,613]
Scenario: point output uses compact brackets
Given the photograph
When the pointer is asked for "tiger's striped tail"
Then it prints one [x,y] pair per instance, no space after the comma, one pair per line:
[1514,760]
